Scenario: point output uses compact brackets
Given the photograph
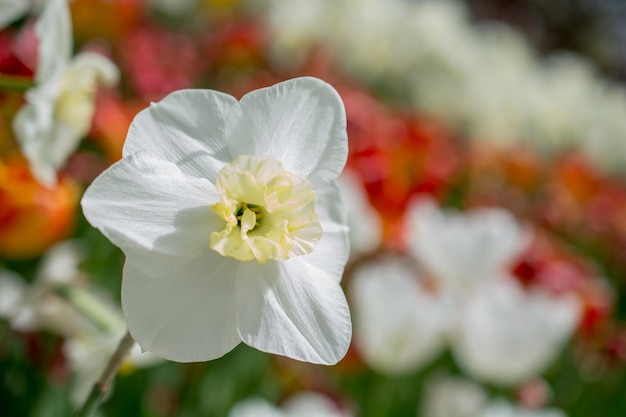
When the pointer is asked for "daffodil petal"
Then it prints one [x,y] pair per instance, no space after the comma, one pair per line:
[183,318]
[147,203]
[399,326]
[45,144]
[464,249]
[54,31]
[188,128]
[331,252]
[300,122]
[291,308]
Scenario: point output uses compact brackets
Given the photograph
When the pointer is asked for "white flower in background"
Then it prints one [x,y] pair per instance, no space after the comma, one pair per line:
[11,10]
[89,350]
[507,335]
[12,287]
[502,408]
[59,108]
[39,305]
[364,221]
[399,326]
[231,223]
[450,396]
[435,53]
[462,250]
[304,404]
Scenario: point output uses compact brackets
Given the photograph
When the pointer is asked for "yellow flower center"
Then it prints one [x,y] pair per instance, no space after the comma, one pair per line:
[269,212]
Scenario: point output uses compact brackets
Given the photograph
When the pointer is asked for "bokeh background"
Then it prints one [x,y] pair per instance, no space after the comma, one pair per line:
[517,106]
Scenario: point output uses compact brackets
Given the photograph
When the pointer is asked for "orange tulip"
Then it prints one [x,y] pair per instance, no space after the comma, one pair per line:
[32,217]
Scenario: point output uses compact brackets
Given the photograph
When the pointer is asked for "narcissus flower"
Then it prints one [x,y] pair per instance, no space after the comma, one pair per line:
[59,109]
[231,222]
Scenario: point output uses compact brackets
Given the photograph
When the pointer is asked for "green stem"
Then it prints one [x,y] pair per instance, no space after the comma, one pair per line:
[101,387]
[90,306]
[15,82]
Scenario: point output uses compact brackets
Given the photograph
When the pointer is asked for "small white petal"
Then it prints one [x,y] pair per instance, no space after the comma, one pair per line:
[331,252]
[501,408]
[464,249]
[256,407]
[399,327]
[300,122]
[448,396]
[188,128]
[143,202]
[188,317]
[54,31]
[45,143]
[294,309]
[507,335]
[95,67]
[12,292]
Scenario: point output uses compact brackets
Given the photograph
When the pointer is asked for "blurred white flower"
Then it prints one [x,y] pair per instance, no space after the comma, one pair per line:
[462,250]
[231,222]
[452,396]
[436,54]
[39,305]
[502,408]
[12,288]
[507,335]
[364,221]
[88,351]
[398,325]
[304,404]
[59,108]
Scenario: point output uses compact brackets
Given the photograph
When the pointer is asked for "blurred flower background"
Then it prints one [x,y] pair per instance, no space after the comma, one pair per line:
[485,183]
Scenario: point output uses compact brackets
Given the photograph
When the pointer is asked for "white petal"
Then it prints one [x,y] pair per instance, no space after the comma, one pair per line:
[54,31]
[289,308]
[464,249]
[187,317]
[12,291]
[300,122]
[399,327]
[449,396]
[501,408]
[146,203]
[187,128]
[92,66]
[255,407]
[311,404]
[507,335]
[45,144]
[11,10]
[331,252]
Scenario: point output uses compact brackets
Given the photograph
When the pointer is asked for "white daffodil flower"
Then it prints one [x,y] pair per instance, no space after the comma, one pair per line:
[231,223]
[304,404]
[59,108]
[399,326]
[507,335]
[501,408]
[462,250]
